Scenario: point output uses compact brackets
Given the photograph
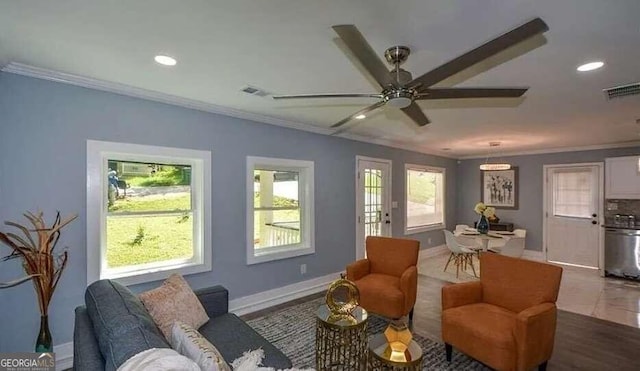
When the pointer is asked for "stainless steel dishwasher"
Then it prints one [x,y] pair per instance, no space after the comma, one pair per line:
[622,252]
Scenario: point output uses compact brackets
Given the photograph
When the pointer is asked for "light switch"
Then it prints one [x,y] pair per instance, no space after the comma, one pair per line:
[394,204]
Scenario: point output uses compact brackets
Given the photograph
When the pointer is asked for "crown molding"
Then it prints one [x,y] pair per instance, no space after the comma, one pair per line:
[131,91]
[554,150]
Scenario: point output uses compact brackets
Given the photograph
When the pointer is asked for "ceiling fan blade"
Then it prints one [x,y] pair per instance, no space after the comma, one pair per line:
[452,93]
[361,112]
[489,49]
[361,49]
[303,96]
[415,113]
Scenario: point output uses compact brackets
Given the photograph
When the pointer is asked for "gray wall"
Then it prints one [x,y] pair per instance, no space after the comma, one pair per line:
[43,131]
[529,213]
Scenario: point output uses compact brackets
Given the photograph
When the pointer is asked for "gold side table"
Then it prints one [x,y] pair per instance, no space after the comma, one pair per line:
[381,358]
[341,341]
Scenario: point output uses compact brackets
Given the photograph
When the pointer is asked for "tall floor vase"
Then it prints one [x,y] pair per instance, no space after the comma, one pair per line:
[483,225]
[44,344]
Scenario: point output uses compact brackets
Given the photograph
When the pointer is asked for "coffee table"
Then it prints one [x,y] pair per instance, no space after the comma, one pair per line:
[381,358]
[341,341]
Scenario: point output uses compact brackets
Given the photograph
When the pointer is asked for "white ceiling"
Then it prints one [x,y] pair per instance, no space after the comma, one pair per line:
[288,47]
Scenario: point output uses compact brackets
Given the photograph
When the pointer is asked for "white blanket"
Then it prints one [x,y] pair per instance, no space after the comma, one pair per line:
[159,359]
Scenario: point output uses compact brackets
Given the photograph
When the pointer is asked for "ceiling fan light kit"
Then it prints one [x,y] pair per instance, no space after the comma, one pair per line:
[400,90]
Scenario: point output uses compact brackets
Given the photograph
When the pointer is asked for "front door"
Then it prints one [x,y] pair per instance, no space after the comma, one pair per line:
[373,200]
[573,211]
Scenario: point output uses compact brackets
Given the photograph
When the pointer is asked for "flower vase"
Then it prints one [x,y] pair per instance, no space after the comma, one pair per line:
[44,343]
[483,225]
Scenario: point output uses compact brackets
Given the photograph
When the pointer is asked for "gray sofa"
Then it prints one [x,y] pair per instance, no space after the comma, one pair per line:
[114,326]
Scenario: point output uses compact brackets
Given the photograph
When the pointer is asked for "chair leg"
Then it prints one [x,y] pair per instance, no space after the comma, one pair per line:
[448,261]
[411,315]
[458,262]
[470,256]
[543,366]
[449,349]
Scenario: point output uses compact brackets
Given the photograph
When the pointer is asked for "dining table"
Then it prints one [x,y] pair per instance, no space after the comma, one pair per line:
[482,238]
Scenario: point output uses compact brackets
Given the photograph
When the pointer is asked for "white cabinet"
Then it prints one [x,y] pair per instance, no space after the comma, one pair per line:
[622,177]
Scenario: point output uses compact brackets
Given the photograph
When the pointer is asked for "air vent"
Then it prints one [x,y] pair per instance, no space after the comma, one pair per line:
[254,91]
[623,91]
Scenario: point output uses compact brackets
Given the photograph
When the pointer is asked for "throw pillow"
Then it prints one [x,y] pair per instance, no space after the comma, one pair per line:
[159,359]
[174,301]
[189,342]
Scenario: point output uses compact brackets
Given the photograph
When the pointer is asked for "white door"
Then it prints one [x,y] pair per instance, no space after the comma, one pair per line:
[373,205]
[573,209]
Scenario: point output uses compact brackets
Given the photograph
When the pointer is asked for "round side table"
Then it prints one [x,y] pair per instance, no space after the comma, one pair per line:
[380,357]
[341,342]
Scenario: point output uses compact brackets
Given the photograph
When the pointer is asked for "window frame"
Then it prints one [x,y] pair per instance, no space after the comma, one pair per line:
[98,154]
[428,227]
[305,201]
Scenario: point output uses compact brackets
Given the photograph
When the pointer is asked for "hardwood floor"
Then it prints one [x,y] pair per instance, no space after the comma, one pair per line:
[582,343]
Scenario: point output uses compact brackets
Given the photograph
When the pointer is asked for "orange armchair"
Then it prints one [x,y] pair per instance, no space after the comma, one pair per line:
[388,278]
[507,320]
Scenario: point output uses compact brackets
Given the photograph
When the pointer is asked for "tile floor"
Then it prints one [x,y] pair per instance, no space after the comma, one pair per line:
[583,291]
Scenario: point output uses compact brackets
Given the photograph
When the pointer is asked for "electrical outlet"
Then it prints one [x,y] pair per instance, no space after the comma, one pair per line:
[303,268]
[429,241]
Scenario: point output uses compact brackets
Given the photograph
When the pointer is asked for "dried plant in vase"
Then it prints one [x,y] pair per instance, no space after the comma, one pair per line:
[41,264]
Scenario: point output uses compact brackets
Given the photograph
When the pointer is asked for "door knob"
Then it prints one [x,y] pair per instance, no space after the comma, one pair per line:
[387,221]
[594,222]
[594,215]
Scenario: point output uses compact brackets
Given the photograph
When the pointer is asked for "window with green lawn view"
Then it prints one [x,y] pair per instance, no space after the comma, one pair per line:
[280,195]
[424,198]
[153,221]
[148,212]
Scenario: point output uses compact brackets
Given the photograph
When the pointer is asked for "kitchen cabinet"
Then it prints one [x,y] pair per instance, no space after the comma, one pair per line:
[622,177]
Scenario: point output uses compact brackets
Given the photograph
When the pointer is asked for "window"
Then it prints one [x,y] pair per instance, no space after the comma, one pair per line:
[572,193]
[148,209]
[424,208]
[279,209]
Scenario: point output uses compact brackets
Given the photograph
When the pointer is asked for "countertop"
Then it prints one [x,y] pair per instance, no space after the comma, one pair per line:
[637,227]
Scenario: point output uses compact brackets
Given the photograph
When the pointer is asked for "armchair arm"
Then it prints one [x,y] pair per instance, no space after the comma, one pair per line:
[409,286]
[461,294]
[535,333]
[358,269]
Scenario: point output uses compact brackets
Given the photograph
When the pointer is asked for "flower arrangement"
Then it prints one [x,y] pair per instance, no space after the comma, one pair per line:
[485,210]
[42,266]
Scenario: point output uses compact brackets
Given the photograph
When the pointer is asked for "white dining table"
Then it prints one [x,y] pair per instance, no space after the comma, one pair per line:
[483,238]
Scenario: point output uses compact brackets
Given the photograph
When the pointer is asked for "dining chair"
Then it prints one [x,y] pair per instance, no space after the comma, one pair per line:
[520,233]
[514,248]
[461,255]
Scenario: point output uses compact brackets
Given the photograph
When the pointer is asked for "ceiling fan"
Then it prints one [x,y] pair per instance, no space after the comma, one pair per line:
[400,90]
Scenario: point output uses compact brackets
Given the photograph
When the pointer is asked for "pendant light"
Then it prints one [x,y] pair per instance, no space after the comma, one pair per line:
[494,165]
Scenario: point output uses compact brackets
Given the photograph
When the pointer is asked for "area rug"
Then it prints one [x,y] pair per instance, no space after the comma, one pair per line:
[433,266]
[292,330]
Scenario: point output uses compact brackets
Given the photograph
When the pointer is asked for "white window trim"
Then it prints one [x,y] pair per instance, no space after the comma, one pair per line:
[306,201]
[430,227]
[98,152]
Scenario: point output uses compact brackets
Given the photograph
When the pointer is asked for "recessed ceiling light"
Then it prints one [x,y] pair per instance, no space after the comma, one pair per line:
[360,117]
[165,60]
[590,66]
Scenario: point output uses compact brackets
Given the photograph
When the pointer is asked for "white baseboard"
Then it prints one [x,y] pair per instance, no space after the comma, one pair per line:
[433,251]
[64,356]
[266,299]
[533,255]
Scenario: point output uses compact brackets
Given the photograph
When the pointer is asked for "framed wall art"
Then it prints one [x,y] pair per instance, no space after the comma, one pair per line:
[500,188]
